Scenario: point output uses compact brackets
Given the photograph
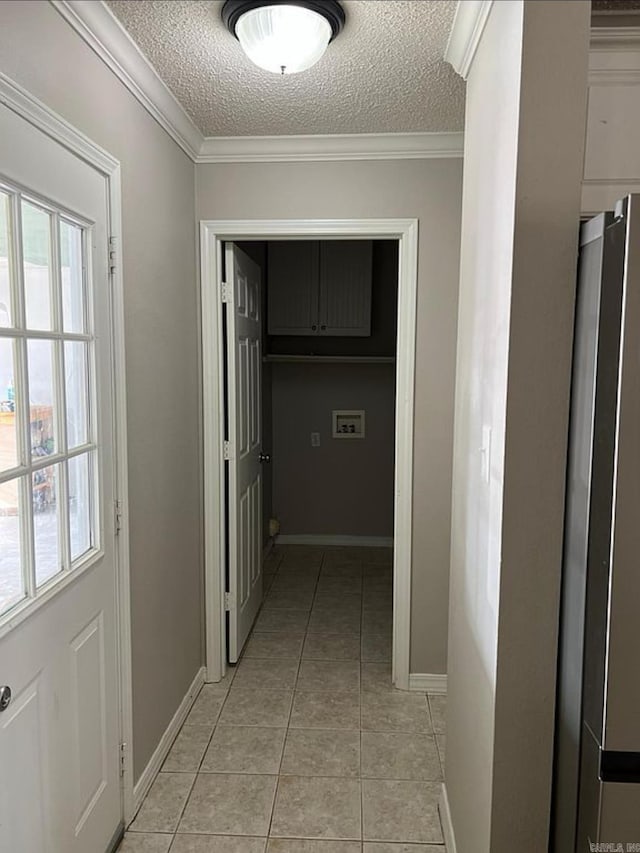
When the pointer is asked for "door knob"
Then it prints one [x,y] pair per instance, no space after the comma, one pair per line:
[5,697]
[264,458]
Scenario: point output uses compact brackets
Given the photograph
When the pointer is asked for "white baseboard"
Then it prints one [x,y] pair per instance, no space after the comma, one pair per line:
[141,788]
[425,682]
[445,820]
[329,539]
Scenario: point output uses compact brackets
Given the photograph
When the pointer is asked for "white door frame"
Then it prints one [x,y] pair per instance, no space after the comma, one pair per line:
[21,102]
[212,235]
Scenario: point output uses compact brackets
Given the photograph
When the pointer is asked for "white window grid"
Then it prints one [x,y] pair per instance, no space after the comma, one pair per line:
[20,335]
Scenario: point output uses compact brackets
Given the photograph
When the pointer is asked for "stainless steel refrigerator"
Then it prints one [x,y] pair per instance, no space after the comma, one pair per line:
[596,794]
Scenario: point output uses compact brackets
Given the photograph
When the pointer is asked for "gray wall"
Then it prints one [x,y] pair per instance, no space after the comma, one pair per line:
[40,51]
[345,486]
[521,207]
[431,191]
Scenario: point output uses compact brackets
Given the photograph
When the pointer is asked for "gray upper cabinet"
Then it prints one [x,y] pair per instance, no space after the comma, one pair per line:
[319,288]
[292,287]
[345,288]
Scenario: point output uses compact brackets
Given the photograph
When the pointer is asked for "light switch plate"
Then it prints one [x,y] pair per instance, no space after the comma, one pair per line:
[315,439]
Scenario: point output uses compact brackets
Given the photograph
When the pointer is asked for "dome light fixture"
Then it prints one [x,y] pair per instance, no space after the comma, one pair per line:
[284,36]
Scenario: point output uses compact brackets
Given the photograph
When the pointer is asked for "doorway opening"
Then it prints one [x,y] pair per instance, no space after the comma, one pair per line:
[336,345]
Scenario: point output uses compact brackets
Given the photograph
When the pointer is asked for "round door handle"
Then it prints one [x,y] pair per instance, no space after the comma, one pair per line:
[5,697]
[264,458]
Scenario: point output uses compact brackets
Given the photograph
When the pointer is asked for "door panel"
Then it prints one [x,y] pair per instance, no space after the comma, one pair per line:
[244,397]
[59,737]
[244,548]
[244,511]
[23,803]
[90,735]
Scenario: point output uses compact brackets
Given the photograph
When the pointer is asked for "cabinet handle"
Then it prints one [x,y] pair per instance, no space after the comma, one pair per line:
[322,328]
[313,328]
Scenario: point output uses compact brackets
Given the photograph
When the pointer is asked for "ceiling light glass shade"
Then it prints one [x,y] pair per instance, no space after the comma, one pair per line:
[283,39]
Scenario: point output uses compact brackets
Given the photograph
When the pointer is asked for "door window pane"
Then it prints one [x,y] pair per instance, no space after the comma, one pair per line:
[8,429]
[11,576]
[41,398]
[80,506]
[5,271]
[77,388]
[48,504]
[46,528]
[73,300]
[36,247]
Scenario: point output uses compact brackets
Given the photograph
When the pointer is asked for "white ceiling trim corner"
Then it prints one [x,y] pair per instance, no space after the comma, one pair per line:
[104,34]
[614,56]
[356,146]
[606,43]
[466,32]
[101,30]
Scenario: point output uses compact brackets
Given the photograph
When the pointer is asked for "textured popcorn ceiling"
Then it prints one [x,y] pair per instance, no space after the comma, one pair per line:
[384,73]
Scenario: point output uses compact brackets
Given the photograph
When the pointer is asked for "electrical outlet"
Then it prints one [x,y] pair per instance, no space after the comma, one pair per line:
[315,439]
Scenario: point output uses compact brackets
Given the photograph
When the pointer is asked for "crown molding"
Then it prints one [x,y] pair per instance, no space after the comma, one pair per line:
[466,32]
[615,38]
[104,34]
[614,56]
[614,59]
[356,146]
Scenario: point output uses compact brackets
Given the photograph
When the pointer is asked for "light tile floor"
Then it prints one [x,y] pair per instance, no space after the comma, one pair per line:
[305,747]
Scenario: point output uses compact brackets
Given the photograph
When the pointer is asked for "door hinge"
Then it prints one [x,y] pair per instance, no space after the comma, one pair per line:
[226,292]
[227,451]
[123,759]
[113,255]
[117,516]
[228,601]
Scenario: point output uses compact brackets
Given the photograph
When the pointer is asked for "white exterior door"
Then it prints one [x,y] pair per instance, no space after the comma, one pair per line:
[244,512]
[59,734]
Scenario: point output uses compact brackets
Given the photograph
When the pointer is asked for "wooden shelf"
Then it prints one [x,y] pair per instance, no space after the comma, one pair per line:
[329,359]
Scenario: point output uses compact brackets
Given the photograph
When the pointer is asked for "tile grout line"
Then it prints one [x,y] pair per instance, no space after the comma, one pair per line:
[215,727]
[197,773]
[203,756]
[182,810]
[242,657]
[298,775]
[288,725]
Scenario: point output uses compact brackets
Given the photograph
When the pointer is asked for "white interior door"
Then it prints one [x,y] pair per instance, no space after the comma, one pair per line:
[59,734]
[244,511]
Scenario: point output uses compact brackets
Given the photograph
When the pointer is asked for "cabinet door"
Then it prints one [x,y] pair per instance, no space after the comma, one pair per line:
[345,288]
[292,288]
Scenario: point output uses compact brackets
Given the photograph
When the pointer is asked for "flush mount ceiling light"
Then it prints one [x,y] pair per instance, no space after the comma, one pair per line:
[284,36]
